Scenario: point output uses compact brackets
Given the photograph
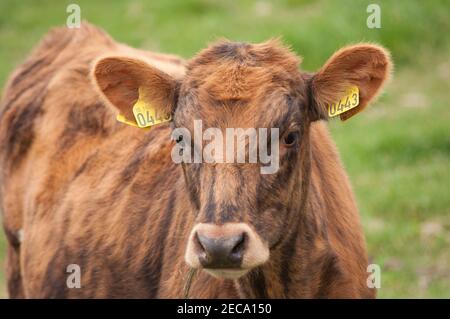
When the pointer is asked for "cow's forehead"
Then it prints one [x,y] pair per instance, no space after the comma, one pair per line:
[236,83]
[271,52]
[265,112]
[231,69]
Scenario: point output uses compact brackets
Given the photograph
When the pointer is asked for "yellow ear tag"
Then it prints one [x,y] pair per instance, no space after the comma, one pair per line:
[146,115]
[121,118]
[349,101]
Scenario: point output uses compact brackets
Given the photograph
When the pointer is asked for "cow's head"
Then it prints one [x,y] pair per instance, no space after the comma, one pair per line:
[242,215]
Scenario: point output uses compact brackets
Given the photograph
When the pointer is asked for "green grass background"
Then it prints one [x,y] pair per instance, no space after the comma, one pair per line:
[396,152]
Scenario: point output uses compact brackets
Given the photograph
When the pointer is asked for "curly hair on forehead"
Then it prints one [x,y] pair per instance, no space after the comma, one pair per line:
[239,71]
[266,54]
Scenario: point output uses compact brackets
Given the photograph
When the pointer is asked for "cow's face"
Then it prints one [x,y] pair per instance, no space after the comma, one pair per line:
[243,211]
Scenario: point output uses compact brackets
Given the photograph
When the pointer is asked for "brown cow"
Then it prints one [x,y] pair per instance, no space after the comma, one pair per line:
[78,187]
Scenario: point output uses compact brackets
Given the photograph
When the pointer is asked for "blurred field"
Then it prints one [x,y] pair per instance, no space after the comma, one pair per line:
[397,152]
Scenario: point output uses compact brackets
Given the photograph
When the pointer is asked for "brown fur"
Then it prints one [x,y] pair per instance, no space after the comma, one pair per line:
[88,190]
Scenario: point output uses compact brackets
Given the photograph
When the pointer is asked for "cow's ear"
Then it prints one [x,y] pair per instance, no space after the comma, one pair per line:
[124,80]
[365,66]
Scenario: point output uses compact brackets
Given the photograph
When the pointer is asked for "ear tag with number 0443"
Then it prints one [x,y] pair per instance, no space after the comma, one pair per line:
[146,115]
[349,101]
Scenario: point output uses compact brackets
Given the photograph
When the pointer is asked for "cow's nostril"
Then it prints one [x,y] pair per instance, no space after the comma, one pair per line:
[220,252]
[238,249]
[200,249]
[198,244]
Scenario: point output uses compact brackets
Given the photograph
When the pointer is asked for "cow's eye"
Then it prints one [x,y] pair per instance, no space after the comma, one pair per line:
[290,138]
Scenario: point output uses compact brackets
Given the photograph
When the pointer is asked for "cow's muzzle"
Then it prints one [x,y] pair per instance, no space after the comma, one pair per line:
[228,250]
